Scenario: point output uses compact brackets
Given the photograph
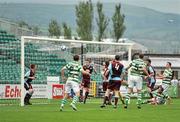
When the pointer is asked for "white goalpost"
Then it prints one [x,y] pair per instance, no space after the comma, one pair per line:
[22,71]
[51,54]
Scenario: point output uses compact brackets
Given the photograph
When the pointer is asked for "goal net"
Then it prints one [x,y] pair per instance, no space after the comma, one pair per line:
[50,55]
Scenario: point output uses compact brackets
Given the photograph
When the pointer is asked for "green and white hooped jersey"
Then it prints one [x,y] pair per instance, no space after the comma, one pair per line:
[168,74]
[74,71]
[137,66]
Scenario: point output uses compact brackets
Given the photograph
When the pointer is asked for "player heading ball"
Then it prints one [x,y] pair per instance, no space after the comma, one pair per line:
[74,71]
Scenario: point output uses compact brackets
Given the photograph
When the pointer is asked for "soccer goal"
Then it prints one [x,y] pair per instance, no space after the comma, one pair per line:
[50,55]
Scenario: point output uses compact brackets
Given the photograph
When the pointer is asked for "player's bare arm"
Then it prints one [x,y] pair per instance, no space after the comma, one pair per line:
[122,77]
[33,78]
[146,72]
[95,70]
[128,67]
[107,72]
[62,73]
[104,77]
[85,72]
[159,76]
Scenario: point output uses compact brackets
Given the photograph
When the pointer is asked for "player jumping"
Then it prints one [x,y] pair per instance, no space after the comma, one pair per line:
[166,77]
[74,70]
[86,79]
[151,81]
[138,68]
[115,69]
[105,77]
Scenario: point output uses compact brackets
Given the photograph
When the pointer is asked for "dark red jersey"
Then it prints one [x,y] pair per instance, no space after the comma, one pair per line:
[117,68]
[87,68]
[105,73]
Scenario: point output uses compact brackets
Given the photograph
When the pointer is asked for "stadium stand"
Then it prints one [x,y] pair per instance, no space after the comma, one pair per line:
[48,64]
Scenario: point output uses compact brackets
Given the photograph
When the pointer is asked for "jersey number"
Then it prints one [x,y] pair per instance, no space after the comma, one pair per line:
[117,67]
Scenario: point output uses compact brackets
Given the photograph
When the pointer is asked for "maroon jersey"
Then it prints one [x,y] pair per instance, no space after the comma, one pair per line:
[88,69]
[117,68]
[105,73]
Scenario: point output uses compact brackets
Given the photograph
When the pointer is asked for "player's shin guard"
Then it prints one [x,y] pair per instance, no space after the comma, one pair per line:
[108,101]
[121,98]
[139,98]
[116,97]
[167,97]
[116,101]
[75,99]
[86,95]
[27,98]
[105,99]
[81,96]
[63,102]
[127,99]
[104,102]
[145,102]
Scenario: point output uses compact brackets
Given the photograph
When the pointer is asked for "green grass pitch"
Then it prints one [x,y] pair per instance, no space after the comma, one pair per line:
[91,112]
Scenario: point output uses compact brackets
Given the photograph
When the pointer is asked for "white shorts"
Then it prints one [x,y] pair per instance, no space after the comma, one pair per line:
[135,81]
[165,88]
[71,85]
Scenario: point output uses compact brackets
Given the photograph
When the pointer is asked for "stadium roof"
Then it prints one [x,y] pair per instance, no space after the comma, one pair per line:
[136,46]
[161,61]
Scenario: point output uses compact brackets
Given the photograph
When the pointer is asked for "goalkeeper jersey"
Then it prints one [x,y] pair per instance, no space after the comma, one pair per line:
[30,73]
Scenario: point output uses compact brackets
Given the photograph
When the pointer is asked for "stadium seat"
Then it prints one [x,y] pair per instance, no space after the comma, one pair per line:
[48,64]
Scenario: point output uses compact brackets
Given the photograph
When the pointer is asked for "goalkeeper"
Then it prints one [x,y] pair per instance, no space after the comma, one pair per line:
[29,76]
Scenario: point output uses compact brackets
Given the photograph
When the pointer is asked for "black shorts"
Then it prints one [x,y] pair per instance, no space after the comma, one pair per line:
[27,85]
[114,85]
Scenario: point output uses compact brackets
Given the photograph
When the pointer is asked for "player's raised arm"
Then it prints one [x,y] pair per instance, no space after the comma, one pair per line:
[159,76]
[95,71]
[108,69]
[145,71]
[74,70]
[107,73]
[84,72]
[126,69]
[104,76]
[62,73]
[123,74]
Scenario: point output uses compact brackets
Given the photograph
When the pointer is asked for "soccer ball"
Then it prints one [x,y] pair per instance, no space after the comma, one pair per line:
[63,48]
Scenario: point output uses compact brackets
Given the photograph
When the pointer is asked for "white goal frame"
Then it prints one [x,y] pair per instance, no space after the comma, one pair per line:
[24,38]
